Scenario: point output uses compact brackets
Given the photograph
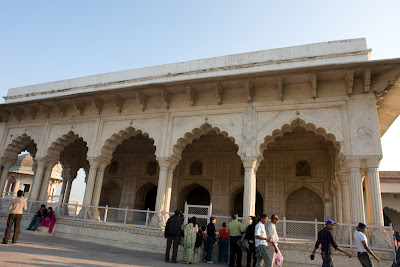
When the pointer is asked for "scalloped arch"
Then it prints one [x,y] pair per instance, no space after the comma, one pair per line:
[189,137]
[110,145]
[299,187]
[58,146]
[288,128]
[19,144]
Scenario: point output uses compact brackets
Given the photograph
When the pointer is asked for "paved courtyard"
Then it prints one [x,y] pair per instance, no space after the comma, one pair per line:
[34,250]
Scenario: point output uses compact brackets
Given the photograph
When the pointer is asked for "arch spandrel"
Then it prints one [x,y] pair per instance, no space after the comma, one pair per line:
[327,122]
[196,133]
[55,147]
[288,128]
[185,130]
[112,131]
[12,134]
[18,144]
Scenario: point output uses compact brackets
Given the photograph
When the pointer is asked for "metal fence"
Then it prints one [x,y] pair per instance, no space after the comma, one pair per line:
[379,237]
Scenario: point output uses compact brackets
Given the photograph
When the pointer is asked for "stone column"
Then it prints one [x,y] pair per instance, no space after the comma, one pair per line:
[45,183]
[357,198]
[339,203]
[4,174]
[346,205]
[37,181]
[91,179]
[167,200]
[373,193]
[164,164]
[334,203]
[63,187]
[98,185]
[249,194]
[16,186]
[68,191]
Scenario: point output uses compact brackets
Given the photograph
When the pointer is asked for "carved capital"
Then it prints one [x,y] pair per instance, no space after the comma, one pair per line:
[45,110]
[373,162]
[249,89]
[78,106]
[366,80]
[353,162]
[252,163]
[350,81]
[97,103]
[119,102]
[31,111]
[165,97]
[61,109]
[18,113]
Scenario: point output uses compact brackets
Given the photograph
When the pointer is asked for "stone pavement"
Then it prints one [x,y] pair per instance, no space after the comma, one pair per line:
[33,250]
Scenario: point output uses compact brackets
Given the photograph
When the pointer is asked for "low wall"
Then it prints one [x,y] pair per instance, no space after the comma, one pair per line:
[154,241]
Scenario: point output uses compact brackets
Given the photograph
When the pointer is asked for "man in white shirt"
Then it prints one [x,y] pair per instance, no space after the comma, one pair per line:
[261,243]
[362,246]
[17,206]
[273,235]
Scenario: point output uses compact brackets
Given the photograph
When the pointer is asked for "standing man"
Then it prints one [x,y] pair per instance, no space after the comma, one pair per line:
[16,208]
[273,235]
[211,239]
[326,240]
[261,243]
[235,230]
[362,246]
[173,233]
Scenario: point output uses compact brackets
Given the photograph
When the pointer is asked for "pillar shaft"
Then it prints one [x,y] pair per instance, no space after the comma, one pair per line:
[161,188]
[373,197]
[4,174]
[334,203]
[45,182]
[249,193]
[63,187]
[37,181]
[167,200]
[357,198]
[68,191]
[339,204]
[87,199]
[98,186]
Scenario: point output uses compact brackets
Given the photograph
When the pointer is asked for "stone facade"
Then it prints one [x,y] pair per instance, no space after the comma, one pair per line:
[269,131]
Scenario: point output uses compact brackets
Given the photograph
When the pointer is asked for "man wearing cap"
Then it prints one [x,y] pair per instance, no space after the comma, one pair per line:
[326,240]
[362,246]
[273,235]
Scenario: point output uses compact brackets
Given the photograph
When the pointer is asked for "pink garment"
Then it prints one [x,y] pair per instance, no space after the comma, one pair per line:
[49,221]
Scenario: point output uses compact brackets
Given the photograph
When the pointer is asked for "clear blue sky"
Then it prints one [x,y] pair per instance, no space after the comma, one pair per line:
[44,41]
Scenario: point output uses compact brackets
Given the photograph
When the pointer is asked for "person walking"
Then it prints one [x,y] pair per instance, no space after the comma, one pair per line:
[17,206]
[37,218]
[173,233]
[235,230]
[262,243]
[273,235]
[223,244]
[325,239]
[251,253]
[189,238]
[211,239]
[362,246]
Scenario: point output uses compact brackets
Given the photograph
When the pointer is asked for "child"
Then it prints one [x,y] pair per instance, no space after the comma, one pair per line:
[223,244]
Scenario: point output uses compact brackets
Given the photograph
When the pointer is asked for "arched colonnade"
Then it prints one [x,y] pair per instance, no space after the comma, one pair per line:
[273,175]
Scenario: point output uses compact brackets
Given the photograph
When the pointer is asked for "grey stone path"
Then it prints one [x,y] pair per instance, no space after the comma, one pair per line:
[34,250]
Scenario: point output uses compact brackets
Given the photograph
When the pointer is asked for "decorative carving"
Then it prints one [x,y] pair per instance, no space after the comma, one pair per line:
[303,168]
[350,82]
[97,103]
[367,80]
[249,88]
[313,83]
[280,83]
[196,168]
[46,111]
[152,167]
[219,91]
[119,102]
[141,98]
[31,111]
[191,94]
[78,106]
[165,97]
[364,132]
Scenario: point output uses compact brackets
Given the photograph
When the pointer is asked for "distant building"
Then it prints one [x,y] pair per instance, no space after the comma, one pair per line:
[21,175]
[390,188]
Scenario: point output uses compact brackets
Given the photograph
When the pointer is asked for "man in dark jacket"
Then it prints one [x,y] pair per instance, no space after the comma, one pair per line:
[173,233]
[37,218]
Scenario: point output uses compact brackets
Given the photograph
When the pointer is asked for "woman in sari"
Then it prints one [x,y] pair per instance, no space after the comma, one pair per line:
[189,240]
[49,220]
